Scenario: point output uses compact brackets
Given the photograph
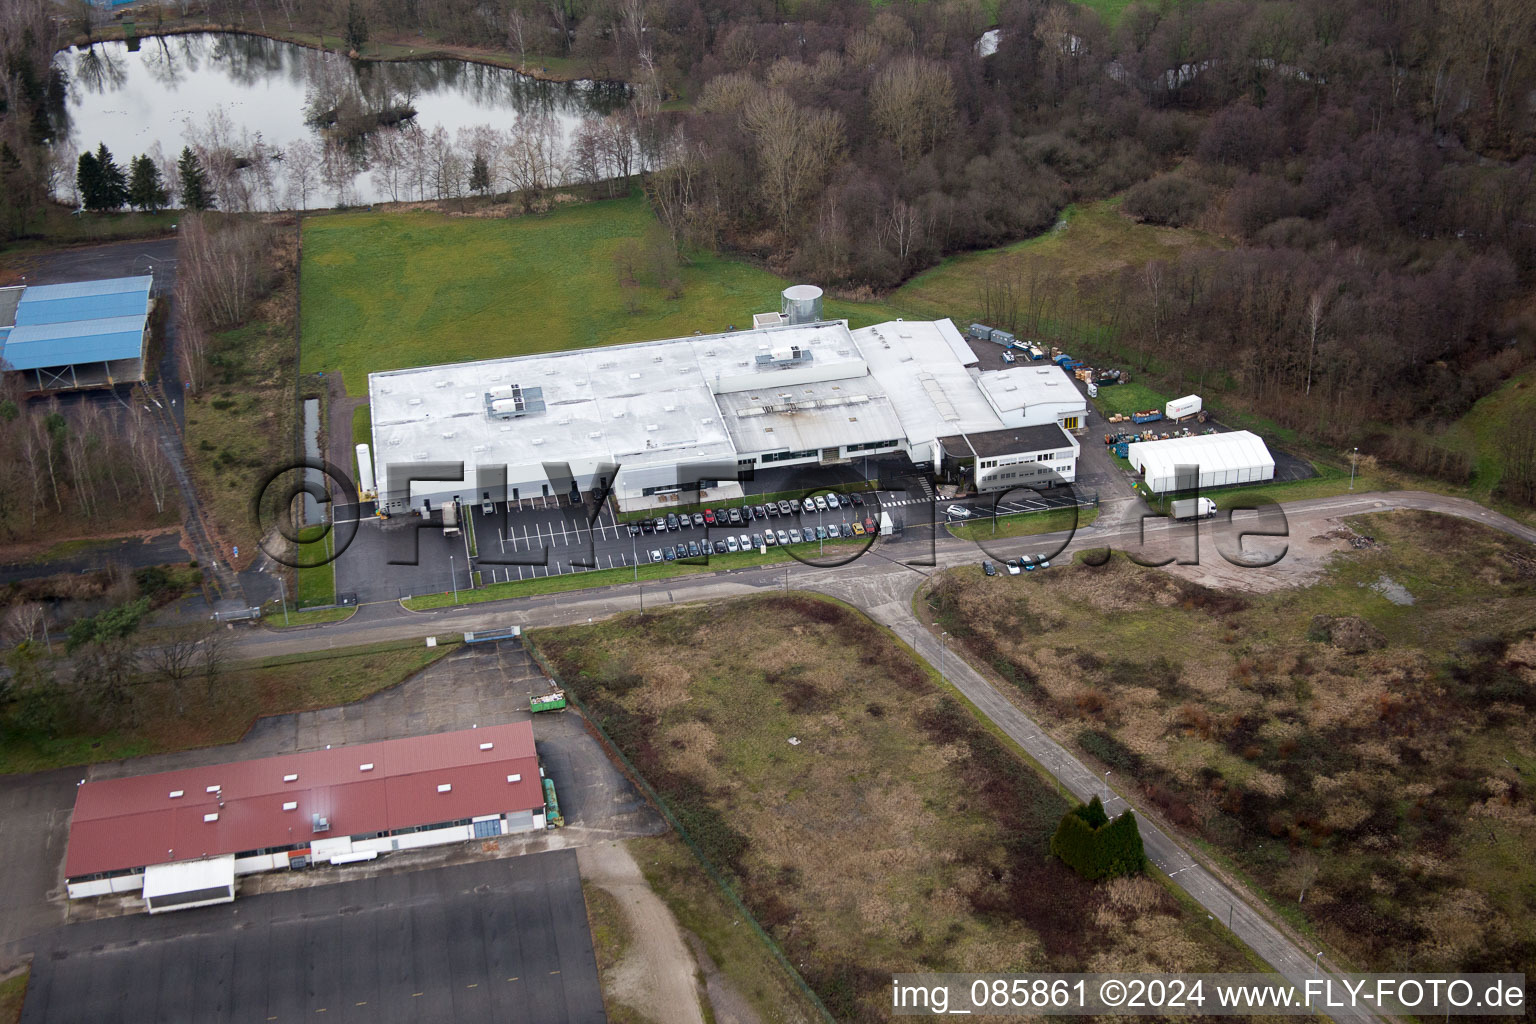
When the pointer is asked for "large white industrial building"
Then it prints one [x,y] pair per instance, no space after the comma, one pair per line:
[1202,460]
[660,420]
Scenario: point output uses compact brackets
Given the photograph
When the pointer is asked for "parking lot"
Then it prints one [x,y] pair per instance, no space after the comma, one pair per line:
[407,555]
[502,940]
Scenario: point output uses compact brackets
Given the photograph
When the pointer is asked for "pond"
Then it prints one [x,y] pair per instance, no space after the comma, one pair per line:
[348,131]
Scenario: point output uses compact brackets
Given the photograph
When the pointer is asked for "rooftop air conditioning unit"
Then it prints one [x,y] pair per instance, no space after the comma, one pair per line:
[318,823]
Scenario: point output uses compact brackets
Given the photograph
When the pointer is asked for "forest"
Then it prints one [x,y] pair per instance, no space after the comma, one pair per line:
[1368,163]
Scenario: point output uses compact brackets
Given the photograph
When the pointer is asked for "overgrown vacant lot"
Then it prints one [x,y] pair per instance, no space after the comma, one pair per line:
[1376,757]
[896,835]
[383,291]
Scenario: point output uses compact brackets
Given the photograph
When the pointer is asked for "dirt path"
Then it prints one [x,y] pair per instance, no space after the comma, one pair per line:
[657,975]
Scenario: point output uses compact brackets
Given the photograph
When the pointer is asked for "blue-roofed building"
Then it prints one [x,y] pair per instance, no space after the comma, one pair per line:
[80,335]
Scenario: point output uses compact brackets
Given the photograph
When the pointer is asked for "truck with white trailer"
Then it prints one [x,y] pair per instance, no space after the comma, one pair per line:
[1194,508]
[451,519]
[1182,408]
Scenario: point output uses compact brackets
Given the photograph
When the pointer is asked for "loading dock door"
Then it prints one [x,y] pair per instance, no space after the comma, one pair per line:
[488,828]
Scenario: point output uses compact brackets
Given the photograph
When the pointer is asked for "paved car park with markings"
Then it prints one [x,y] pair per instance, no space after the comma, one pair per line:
[502,940]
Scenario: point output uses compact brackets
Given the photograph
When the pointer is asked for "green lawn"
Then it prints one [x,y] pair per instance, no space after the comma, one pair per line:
[1128,398]
[362,426]
[1026,525]
[12,992]
[390,290]
[317,584]
[1330,480]
[273,617]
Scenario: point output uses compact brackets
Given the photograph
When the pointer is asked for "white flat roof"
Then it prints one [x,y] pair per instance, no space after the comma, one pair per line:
[685,400]
[1021,387]
[1231,450]
[919,364]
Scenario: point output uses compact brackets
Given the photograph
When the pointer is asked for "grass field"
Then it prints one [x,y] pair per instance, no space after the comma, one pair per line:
[1026,525]
[1479,430]
[1330,740]
[274,618]
[13,992]
[317,583]
[1128,398]
[866,815]
[223,713]
[1092,239]
[390,290]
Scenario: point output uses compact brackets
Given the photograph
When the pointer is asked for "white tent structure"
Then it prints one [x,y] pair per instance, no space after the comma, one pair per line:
[1204,460]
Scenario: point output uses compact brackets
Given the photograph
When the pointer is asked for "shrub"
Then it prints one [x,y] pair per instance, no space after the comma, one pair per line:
[1095,847]
[1170,199]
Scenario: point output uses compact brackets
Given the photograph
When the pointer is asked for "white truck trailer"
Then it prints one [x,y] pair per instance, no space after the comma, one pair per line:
[1194,508]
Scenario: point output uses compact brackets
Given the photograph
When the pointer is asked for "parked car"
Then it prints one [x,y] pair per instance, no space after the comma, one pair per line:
[772,508]
[988,568]
[655,554]
[760,511]
[744,542]
[1012,566]
[821,533]
[647,526]
[857,499]
[698,519]
[668,554]
[783,537]
[832,531]
[820,503]
[769,538]
[869,524]
[785,509]
[634,529]
[694,551]
[661,524]
[682,551]
[794,536]
[958,511]
[730,543]
[757,540]
[672,523]
[720,548]
[808,505]
[843,500]
[709,516]
[858,529]
[1028,563]
[734,515]
[1042,561]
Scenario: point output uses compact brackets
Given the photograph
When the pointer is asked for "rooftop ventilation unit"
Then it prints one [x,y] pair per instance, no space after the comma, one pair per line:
[512,401]
[779,358]
[319,824]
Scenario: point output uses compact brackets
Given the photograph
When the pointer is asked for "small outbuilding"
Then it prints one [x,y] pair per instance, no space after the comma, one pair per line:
[88,334]
[1203,461]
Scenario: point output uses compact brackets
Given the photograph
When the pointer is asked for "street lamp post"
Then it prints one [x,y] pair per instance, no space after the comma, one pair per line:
[282,591]
[1106,785]
[453,577]
[1354,453]
[943,642]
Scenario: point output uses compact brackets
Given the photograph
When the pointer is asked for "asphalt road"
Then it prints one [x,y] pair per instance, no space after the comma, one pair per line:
[882,584]
[498,940]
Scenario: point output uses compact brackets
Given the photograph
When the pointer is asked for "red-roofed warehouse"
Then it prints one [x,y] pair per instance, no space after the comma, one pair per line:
[183,836]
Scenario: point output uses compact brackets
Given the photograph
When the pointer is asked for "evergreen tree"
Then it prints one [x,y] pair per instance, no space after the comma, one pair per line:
[88,181]
[480,174]
[194,182]
[145,189]
[357,27]
[1095,847]
[114,183]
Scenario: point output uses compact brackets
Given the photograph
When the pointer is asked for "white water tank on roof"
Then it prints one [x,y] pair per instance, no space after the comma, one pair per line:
[802,304]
